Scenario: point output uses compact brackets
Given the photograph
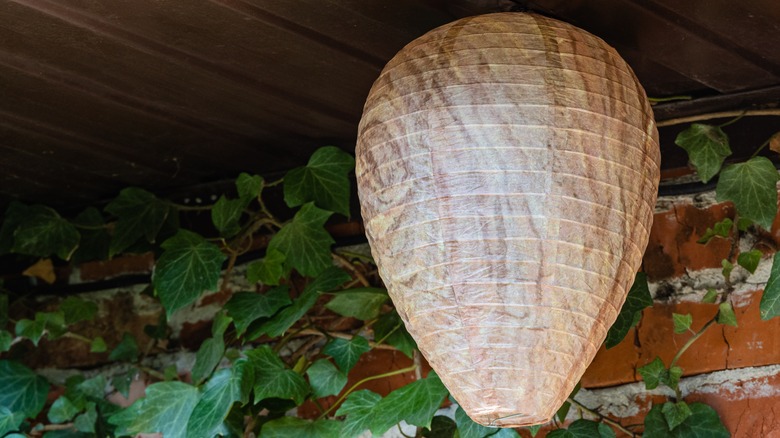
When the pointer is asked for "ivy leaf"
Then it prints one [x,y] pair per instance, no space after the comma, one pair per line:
[346,352]
[638,298]
[361,303]
[702,423]
[584,429]
[62,410]
[726,314]
[707,147]
[95,240]
[327,281]
[139,214]
[46,233]
[226,387]
[15,215]
[675,413]
[325,379]
[3,309]
[247,307]
[80,391]
[682,323]
[76,310]
[390,329]
[323,180]
[10,421]
[122,382]
[226,214]
[32,330]
[304,241]
[86,421]
[23,390]
[653,373]
[563,411]
[207,358]
[268,270]
[751,186]
[770,300]
[249,187]
[359,411]
[43,269]
[286,427]
[273,378]
[6,339]
[749,259]
[720,229]
[534,429]
[166,409]
[467,428]
[672,377]
[727,268]
[441,427]
[710,296]
[188,266]
[127,350]
[415,403]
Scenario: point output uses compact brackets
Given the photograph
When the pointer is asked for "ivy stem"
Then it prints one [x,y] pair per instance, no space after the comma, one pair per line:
[603,418]
[348,265]
[760,148]
[732,121]
[282,342]
[719,115]
[78,337]
[152,372]
[315,332]
[360,382]
[182,207]
[691,341]
[274,183]
[668,99]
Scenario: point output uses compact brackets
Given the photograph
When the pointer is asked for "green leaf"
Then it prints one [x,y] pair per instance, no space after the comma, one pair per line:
[188,266]
[32,330]
[160,330]
[287,427]
[219,324]
[710,296]
[770,300]
[749,260]
[346,352]
[226,387]
[441,427]
[727,268]
[273,378]
[672,377]
[226,214]
[249,187]
[247,307]
[166,409]
[268,270]
[304,241]
[327,281]
[62,410]
[584,429]
[3,309]
[653,373]
[15,215]
[127,350]
[95,240]
[467,428]
[390,329]
[675,413]
[323,180]
[563,411]
[359,410]
[121,382]
[744,223]
[86,421]
[707,147]
[10,421]
[46,233]
[76,310]
[726,314]
[720,229]
[702,423]
[139,214]
[325,379]
[751,186]
[23,390]
[361,303]
[682,323]
[208,357]
[54,323]
[534,429]
[6,340]
[638,298]
[415,403]
[81,391]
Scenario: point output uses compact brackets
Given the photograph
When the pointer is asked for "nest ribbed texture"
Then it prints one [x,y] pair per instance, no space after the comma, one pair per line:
[507,169]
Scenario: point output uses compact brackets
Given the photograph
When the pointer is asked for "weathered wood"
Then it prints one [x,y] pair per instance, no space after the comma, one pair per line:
[507,168]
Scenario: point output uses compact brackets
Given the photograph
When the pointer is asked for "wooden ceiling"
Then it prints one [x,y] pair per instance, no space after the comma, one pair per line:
[171,95]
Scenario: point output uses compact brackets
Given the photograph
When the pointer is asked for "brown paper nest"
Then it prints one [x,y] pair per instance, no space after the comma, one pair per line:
[507,168]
